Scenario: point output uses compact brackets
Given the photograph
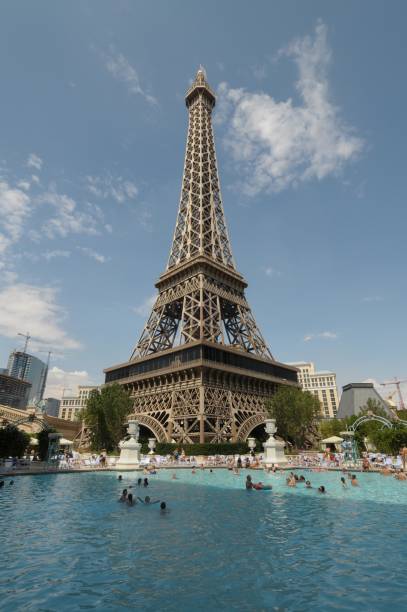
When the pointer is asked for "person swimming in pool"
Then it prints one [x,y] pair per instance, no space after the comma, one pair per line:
[259,486]
[321,489]
[344,483]
[147,501]
[130,501]
[308,484]
[123,496]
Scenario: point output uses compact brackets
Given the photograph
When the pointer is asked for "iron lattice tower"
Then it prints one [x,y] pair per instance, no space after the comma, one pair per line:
[201,370]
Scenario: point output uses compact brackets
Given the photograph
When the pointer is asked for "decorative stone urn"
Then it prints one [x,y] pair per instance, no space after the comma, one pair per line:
[273,449]
[130,449]
[251,442]
[151,445]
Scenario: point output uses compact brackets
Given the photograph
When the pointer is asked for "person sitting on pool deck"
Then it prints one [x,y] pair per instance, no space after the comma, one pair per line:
[130,501]
[354,481]
[321,489]
[123,496]
[147,500]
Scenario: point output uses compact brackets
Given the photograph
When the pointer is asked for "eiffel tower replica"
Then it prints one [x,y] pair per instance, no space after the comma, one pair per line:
[201,371]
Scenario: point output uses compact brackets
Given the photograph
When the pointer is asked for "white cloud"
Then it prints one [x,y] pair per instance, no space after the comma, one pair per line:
[144,309]
[279,144]
[270,272]
[121,69]
[34,161]
[93,254]
[24,306]
[15,207]
[372,298]
[68,219]
[326,335]
[57,253]
[35,179]
[145,218]
[24,185]
[59,379]
[112,187]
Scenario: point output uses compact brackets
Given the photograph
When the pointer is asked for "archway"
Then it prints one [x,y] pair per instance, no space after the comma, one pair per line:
[249,425]
[153,427]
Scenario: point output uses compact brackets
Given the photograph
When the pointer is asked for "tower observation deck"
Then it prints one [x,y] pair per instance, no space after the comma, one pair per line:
[201,370]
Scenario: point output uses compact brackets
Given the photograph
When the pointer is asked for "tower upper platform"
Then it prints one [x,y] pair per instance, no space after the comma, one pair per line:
[200,86]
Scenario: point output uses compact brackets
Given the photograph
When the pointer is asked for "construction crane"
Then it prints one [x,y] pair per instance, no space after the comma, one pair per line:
[396,382]
[27,339]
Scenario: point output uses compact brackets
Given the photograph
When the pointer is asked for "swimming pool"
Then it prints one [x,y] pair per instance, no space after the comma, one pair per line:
[68,544]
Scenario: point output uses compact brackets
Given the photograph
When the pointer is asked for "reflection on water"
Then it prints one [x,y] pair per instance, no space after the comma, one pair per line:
[68,544]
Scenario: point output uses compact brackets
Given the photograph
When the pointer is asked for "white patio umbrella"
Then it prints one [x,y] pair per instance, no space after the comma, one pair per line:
[65,442]
[332,440]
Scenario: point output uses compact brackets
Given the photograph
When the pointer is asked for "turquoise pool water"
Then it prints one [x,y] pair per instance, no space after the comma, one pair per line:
[67,544]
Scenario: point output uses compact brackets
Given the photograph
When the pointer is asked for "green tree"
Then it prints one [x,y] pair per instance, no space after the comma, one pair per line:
[390,441]
[296,413]
[331,427]
[13,441]
[105,414]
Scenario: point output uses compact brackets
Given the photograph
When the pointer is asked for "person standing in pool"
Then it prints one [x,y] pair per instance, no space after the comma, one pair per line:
[163,508]
[344,483]
[249,483]
[145,483]
[130,501]
[354,481]
[123,496]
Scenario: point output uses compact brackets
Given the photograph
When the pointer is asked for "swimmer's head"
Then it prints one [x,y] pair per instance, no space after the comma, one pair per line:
[147,499]
[163,505]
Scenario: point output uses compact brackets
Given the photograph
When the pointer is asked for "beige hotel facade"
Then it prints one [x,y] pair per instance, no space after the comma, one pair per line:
[321,384]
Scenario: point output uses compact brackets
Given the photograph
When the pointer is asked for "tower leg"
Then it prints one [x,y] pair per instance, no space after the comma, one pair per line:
[201,414]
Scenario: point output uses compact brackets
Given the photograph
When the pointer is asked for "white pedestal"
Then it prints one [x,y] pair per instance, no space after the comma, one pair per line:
[130,450]
[273,449]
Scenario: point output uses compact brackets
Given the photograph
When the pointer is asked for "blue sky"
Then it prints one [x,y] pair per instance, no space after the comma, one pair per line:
[310,131]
